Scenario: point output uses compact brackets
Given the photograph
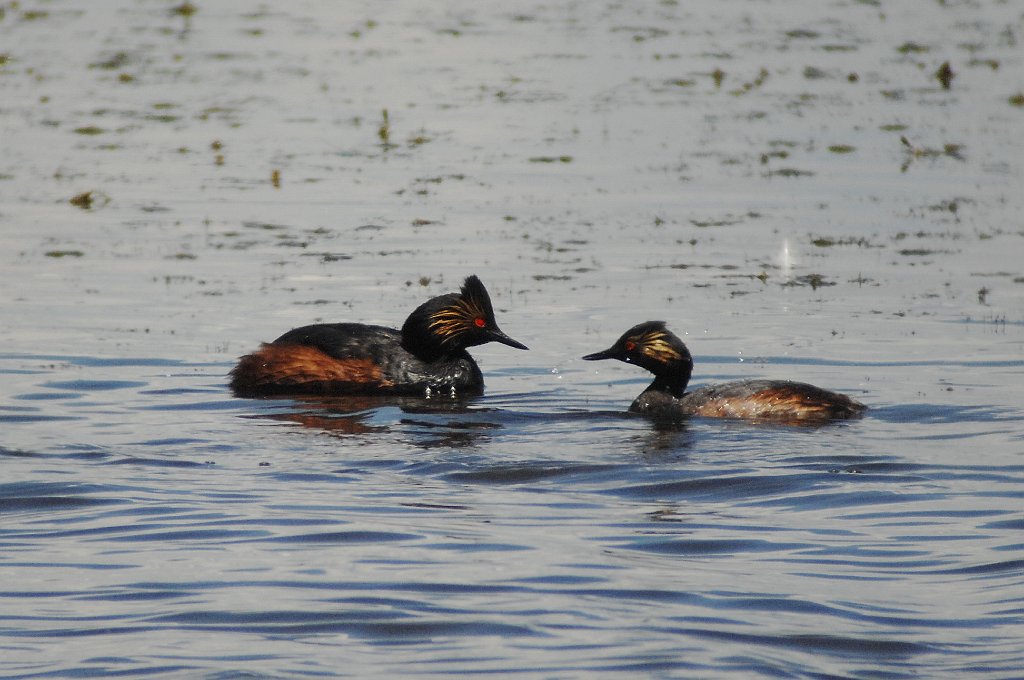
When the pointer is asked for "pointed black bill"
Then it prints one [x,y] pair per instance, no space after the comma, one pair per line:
[610,353]
[496,335]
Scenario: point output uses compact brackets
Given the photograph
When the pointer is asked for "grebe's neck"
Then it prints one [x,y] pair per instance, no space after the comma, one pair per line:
[672,377]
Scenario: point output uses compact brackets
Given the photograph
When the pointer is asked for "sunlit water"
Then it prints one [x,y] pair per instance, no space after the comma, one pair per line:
[583,160]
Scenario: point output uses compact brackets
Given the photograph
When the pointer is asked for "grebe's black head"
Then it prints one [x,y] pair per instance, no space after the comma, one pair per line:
[652,346]
[450,323]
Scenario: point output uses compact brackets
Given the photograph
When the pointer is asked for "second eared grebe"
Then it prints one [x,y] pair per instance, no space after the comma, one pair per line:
[428,354]
[652,346]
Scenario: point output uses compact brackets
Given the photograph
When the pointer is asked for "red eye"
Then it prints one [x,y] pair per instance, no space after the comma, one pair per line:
[480,322]
[630,345]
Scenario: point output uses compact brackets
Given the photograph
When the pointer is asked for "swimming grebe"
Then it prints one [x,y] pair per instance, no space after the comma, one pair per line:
[652,346]
[427,355]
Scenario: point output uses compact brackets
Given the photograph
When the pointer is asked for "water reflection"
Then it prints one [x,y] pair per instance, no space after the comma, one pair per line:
[944,413]
[467,423]
[435,422]
[665,440]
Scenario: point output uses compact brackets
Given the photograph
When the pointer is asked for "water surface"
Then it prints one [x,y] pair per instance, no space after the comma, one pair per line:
[736,170]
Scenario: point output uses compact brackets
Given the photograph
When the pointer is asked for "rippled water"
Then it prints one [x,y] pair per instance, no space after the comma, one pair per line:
[583,160]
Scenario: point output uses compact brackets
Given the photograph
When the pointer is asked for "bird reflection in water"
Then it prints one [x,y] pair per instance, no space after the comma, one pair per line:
[435,422]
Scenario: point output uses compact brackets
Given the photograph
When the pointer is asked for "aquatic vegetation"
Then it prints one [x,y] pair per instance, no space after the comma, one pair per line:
[993,64]
[186,9]
[945,75]
[384,130]
[828,242]
[814,73]
[115,61]
[720,222]
[789,172]
[911,47]
[755,83]
[642,33]
[217,147]
[87,200]
[815,281]
[418,140]
[913,152]
[82,200]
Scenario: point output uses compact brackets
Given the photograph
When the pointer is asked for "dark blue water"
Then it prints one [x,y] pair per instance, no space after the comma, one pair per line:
[514,533]
[179,182]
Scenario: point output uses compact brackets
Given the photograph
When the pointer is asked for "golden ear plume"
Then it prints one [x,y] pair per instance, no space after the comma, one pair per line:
[452,321]
[656,344]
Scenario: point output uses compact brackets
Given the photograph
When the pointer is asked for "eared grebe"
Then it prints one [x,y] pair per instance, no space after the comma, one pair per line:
[652,346]
[427,355]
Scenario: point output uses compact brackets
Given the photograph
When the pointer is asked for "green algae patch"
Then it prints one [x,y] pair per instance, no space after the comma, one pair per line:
[911,47]
[186,9]
[83,200]
[815,281]
[87,200]
[790,172]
